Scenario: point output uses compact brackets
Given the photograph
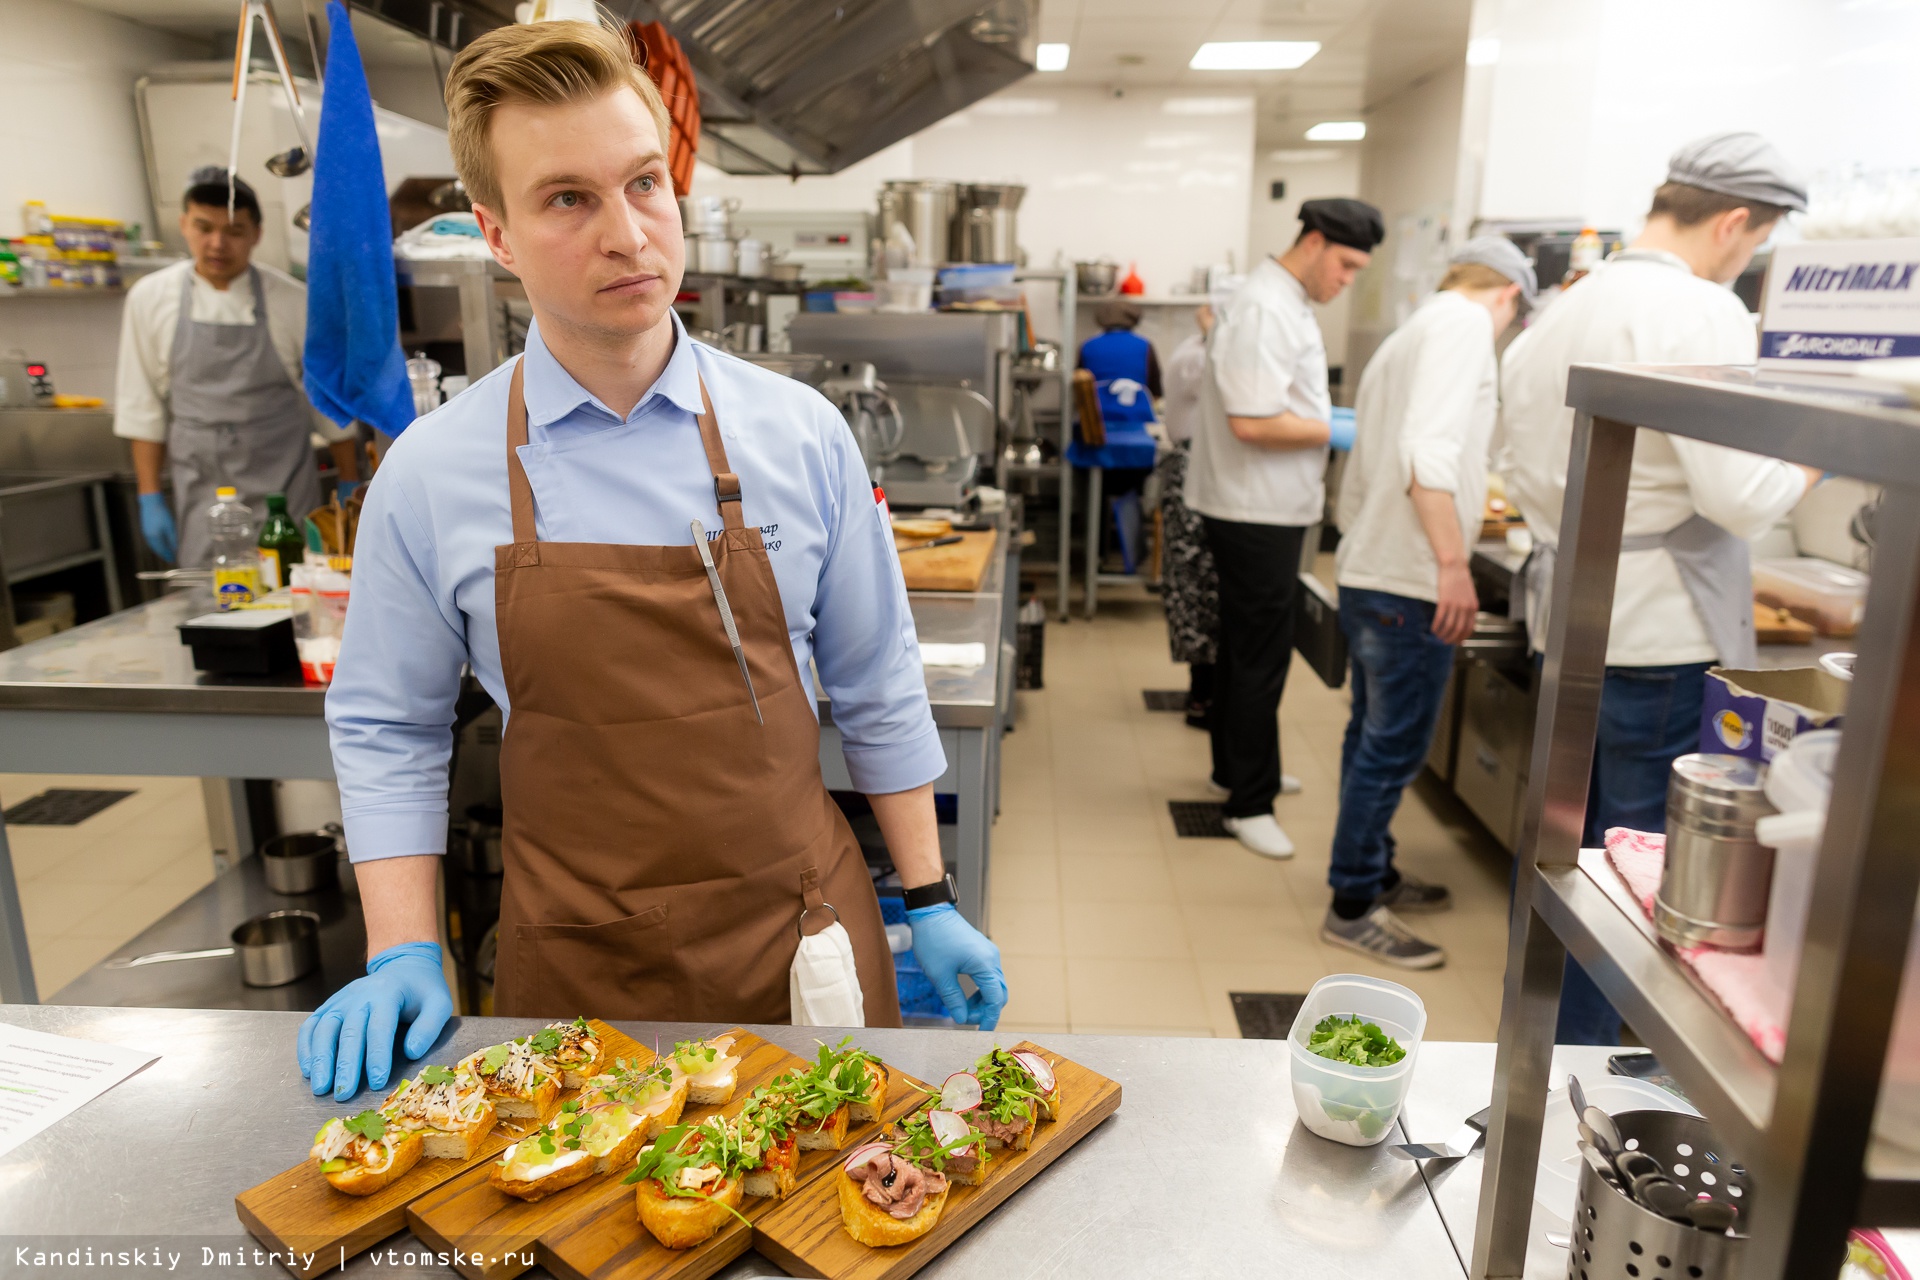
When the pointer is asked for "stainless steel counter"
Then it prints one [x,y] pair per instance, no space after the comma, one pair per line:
[1204,1171]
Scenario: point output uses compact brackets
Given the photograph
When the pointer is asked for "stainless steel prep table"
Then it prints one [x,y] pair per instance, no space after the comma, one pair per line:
[120,696]
[225,1108]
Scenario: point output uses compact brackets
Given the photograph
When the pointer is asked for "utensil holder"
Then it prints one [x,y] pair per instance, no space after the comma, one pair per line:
[1617,1238]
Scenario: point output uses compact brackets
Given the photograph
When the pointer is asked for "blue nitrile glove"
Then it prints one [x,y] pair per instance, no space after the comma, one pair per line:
[157,527]
[403,982]
[343,489]
[946,947]
[1340,429]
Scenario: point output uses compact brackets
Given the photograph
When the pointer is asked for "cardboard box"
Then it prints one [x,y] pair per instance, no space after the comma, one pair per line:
[1756,713]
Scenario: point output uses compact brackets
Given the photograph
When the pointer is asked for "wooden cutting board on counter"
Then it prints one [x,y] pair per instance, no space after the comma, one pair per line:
[298,1213]
[607,1242]
[959,566]
[806,1236]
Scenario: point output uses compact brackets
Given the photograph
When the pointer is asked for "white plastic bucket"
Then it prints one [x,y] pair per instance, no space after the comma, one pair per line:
[1355,1105]
[1799,781]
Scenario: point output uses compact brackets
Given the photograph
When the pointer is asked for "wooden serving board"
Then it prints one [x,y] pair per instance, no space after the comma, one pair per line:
[806,1237]
[959,566]
[608,1242]
[491,1233]
[297,1212]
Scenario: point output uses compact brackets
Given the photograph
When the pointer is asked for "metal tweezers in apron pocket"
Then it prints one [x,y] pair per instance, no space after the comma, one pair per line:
[726,613]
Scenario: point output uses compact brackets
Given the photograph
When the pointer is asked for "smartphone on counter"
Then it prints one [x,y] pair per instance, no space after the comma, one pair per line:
[1644,1066]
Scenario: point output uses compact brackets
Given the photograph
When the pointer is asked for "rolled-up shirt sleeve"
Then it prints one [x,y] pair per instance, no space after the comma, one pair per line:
[864,644]
[1441,397]
[391,706]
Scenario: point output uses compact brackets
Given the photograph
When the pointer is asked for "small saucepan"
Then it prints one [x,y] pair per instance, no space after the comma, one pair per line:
[274,949]
[301,863]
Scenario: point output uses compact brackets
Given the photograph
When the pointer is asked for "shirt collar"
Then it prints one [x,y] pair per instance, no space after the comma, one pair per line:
[1660,256]
[1289,282]
[552,393]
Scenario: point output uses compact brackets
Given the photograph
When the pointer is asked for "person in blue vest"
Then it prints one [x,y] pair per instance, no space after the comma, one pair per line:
[1126,373]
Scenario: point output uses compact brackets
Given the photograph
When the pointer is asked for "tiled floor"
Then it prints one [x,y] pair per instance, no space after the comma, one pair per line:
[87,889]
[1108,921]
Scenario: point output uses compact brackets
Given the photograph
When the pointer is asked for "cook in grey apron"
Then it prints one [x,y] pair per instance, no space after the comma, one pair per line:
[236,418]
[1715,567]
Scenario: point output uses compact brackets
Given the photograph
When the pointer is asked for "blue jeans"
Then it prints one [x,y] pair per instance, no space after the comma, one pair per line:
[1400,672]
[1649,716]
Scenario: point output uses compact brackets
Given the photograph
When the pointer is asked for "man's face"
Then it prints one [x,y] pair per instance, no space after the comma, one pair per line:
[1330,268]
[589,223]
[221,246]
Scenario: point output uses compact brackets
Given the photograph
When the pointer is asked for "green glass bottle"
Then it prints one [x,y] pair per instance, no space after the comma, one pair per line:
[281,546]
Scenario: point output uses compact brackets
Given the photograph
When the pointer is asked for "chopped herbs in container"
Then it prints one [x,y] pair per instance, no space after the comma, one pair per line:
[1354,1041]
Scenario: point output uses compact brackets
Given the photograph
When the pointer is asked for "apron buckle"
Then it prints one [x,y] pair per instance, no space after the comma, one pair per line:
[726,487]
[801,926]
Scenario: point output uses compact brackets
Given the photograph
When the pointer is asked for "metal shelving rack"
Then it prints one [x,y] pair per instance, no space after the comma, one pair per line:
[1069,280]
[1803,1128]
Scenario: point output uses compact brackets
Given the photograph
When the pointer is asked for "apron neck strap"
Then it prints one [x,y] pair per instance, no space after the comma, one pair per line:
[726,485]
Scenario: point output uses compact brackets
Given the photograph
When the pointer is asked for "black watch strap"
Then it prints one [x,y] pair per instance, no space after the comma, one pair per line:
[932,895]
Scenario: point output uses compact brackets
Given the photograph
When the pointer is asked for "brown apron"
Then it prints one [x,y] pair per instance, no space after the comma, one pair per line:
[661,843]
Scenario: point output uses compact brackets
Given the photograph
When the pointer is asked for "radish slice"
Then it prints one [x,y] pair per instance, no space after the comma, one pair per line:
[947,1127]
[961,1092]
[862,1154]
[1041,1069]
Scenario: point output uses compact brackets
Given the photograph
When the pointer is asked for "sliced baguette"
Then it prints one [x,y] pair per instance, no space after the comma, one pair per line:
[458,1144]
[776,1178]
[876,1103]
[359,1180]
[1022,1142]
[574,1075]
[564,1169]
[714,1090]
[973,1179]
[829,1135]
[536,1104]
[680,1222]
[871,1225]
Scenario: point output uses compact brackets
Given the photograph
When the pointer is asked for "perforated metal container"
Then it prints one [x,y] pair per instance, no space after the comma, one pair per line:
[1616,1238]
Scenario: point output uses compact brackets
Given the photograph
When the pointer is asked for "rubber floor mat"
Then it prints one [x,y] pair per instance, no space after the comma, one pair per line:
[1198,819]
[1265,1015]
[62,807]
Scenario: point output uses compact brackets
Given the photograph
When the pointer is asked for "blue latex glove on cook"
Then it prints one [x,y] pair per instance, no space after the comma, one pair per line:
[1340,429]
[403,983]
[946,947]
[156,526]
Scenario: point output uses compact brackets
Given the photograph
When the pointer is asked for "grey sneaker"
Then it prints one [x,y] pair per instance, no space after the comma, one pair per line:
[1380,934]
[1415,894]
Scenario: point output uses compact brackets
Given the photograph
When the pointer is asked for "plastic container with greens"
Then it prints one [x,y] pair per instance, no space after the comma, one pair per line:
[1340,1098]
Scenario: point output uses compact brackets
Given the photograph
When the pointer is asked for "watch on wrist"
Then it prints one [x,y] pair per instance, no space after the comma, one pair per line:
[932,895]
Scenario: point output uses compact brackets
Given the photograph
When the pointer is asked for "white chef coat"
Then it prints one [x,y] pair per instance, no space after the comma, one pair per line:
[1266,357]
[1425,412]
[1643,307]
[152,316]
[1181,376]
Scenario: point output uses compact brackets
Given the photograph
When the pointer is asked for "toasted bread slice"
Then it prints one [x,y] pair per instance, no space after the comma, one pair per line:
[955,1170]
[680,1222]
[777,1177]
[574,1074]
[536,1104]
[453,1116]
[829,1135]
[362,1180]
[713,1090]
[540,1175]
[876,1103]
[1020,1143]
[869,1224]
[458,1144]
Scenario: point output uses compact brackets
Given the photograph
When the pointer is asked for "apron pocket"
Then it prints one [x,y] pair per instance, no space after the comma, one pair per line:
[622,969]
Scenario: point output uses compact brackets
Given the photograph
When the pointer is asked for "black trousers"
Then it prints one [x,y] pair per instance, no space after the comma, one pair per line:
[1259,568]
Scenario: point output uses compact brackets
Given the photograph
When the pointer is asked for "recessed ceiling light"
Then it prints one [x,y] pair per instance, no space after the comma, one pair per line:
[1338,131]
[1306,155]
[1206,106]
[1253,55]
[1051,57]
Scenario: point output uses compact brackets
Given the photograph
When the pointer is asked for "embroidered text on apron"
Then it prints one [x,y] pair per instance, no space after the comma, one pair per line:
[661,842]
[235,418]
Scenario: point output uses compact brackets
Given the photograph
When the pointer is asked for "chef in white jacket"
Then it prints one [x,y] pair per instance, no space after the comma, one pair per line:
[1683,593]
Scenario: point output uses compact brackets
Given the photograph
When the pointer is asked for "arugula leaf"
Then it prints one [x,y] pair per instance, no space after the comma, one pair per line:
[1354,1041]
[370,1125]
[915,1141]
[711,1142]
[1008,1090]
[437,1075]
[496,1058]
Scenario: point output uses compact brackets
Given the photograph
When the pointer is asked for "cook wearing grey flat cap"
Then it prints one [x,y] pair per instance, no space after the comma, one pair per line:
[1504,256]
[1683,598]
[1742,165]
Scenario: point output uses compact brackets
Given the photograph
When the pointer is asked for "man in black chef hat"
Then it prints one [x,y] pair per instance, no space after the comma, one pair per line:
[1257,479]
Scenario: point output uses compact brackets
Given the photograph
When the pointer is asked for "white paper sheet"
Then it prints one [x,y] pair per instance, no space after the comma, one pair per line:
[45,1077]
[968,656]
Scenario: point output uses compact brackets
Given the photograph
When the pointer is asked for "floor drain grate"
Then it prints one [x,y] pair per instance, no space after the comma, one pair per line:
[1197,819]
[61,807]
[1265,1015]
[1165,699]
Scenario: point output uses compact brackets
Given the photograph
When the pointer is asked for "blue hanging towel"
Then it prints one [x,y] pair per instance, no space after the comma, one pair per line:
[354,365]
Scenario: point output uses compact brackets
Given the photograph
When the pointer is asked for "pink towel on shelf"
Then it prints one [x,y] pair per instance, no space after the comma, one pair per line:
[1737,981]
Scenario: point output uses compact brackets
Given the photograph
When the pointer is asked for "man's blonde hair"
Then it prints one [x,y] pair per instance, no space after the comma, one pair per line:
[546,63]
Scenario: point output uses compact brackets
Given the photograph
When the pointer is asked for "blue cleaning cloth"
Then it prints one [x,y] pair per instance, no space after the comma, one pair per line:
[354,365]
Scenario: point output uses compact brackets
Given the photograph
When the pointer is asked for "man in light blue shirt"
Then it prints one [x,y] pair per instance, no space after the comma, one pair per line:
[617,811]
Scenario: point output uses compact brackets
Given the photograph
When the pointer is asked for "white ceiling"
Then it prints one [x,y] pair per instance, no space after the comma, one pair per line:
[381,43]
[1370,50]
